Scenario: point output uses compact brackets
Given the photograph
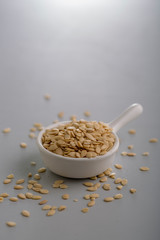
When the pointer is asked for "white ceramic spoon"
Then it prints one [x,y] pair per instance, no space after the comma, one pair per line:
[87,167]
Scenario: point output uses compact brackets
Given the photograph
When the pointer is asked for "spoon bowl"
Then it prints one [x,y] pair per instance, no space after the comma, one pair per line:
[86,167]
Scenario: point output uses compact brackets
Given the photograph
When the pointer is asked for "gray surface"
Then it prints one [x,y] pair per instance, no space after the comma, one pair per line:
[95,55]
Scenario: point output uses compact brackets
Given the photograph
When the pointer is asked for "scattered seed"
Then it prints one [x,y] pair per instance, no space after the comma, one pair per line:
[108,199]
[29,195]
[88,184]
[94,195]
[87,197]
[63,186]
[124,181]
[6,130]
[65,196]
[11,224]
[6,181]
[145,154]
[118,196]
[87,114]
[106,187]
[1,199]
[144,168]
[103,179]
[93,178]
[51,212]
[18,187]
[33,163]
[4,195]
[29,186]
[43,191]
[112,175]
[23,145]
[43,202]
[37,176]
[153,140]
[132,190]
[75,200]
[37,125]
[61,208]
[53,208]
[36,197]
[32,135]
[119,187]
[91,204]
[84,210]
[29,174]
[92,189]
[131,154]
[25,213]
[20,181]
[42,170]
[124,153]
[130,146]
[10,176]
[118,166]
[32,129]
[100,175]
[132,131]
[13,199]
[21,196]
[73,118]
[47,96]
[46,207]
[61,114]
[117,180]
[32,181]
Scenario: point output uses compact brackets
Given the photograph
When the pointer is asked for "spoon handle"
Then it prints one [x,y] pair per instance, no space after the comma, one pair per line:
[125,117]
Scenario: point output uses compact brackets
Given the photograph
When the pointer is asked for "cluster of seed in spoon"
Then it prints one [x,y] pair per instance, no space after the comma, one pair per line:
[79,139]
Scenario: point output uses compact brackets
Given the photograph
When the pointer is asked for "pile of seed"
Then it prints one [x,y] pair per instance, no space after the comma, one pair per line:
[79,139]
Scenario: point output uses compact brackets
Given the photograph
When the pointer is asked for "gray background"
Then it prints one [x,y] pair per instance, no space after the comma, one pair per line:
[99,56]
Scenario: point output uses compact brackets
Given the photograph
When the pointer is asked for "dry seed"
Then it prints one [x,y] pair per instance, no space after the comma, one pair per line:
[36,197]
[94,195]
[61,208]
[73,118]
[87,113]
[112,175]
[32,181]
[103,179]
[6,130]
[130,146]
[144,168]
[132,190]
[61,114]
[119,187]
[65,196]
[54,185]
[11,224]
[33,129]
[43,191]
[145,154]
[20,181]
[131,154]
[87,197]
[36,189]
[37,125]
[21,196]
[29,186]
[36,176]
[37,185]
[13,199]
[84,210]
[32,135]
[153,140]
[118,196]
[46,207]
[132,131]
[63,186]
[117,180]
[47,96]
[6,181]
[23,145]
[108,199]
[124,153]
[75,200]
[100,175]
[53,208]
[18,187]
[106,187]
[42,170]
[97,185]
[1,199]
[10,176]
[4,195]
[29,174]
[51,212]
[91,189]
[25,213]
[43,202]
[88,184]
[91,204]
[33,163]
[29,195]
[93,178]
[124,181]
[118,166]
